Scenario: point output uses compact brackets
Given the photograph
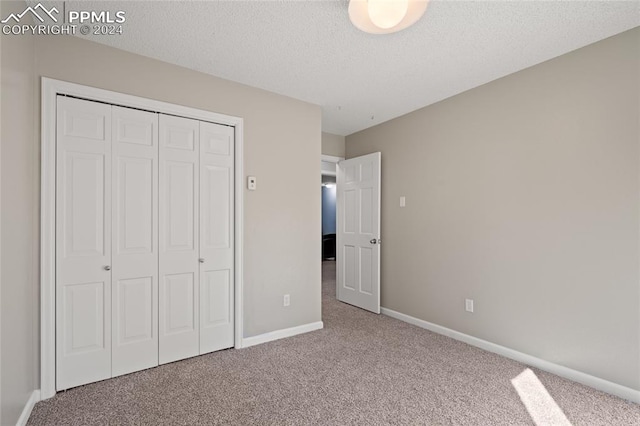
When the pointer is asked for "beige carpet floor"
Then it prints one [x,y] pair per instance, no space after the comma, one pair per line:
[361,369]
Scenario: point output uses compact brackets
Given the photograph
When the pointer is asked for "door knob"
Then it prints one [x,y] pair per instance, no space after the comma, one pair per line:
[373,241]
[201,260]
[107,268]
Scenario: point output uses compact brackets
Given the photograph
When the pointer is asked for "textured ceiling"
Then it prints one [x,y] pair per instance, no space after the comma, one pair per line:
[309,50]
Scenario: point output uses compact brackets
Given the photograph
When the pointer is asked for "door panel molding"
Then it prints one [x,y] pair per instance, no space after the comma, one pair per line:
[134,136]
[179,238]
[216,241]
[83,207]
[358,232]
[135,241]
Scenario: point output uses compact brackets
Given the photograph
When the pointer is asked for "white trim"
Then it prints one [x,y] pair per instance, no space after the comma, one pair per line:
[28,407]
[0,250]
[239,236]
[559,370]
[50,89]
[331,158]
[281,334]
[47,241]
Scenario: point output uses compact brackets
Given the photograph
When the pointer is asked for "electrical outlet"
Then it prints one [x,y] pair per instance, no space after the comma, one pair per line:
[403,201]
[468,305]
[287,300]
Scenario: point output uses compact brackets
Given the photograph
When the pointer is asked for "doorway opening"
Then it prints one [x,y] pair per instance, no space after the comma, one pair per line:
[353,202]
[328,218]
[329,192]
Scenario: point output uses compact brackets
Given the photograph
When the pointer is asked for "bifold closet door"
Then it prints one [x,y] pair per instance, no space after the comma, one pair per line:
[83,242]
[134,240]
[144,240]
[216,237]
[179,239]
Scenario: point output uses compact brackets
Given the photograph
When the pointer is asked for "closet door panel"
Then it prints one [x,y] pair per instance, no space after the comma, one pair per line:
[135,240]
[145,240]
[216,237]
[179,239]
[180,225]
[179,298]
[83,243]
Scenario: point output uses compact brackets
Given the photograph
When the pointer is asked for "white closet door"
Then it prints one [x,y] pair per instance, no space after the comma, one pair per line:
[179,267]
[216,237]
[83,242]
[135,240]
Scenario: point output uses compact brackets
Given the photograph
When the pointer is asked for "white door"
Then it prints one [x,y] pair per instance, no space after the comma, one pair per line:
[216,237]
[358,236]
[144,240]
[135,240]
[179,231]
[83,242]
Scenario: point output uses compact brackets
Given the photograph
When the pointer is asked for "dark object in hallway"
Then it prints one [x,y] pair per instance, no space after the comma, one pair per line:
[328,246]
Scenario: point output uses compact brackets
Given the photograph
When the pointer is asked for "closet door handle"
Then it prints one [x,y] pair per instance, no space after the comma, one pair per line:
[107,268]
[201,260]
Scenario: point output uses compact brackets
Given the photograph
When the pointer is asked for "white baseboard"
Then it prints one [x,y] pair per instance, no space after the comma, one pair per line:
[559,370]
[281,334]
[26,411]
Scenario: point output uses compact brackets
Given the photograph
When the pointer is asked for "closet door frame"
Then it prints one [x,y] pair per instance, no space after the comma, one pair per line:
[50,90]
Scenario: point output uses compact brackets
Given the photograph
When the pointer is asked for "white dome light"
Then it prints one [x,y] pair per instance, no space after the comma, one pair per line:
[387,13]
[385,16]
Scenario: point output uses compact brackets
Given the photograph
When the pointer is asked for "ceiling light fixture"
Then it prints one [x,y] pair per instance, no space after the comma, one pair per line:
[385,16]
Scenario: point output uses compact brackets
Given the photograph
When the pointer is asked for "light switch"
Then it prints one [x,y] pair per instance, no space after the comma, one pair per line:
[468,305]
[252,183]
[403,201]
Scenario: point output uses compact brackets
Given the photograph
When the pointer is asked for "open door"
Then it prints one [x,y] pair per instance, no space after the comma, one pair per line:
[358,232]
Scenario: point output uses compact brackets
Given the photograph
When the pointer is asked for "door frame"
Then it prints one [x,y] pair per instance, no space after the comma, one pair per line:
[50,90]
[329,159]
[335,160]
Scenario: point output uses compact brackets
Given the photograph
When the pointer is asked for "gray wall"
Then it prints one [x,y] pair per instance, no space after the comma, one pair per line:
[333,144]
[523,194]
[282,218]
[18,223]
